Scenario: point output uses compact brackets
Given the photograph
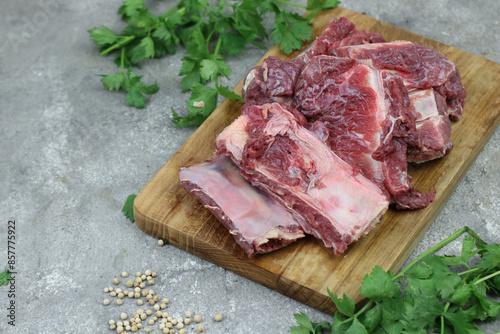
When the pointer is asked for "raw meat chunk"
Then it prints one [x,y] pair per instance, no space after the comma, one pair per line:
[258,223]
[369,118]
[273,81]
[277,154]
[432,125]
[340,32]
[421,67]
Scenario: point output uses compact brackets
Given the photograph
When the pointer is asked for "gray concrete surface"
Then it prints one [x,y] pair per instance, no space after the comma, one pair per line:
[72,152]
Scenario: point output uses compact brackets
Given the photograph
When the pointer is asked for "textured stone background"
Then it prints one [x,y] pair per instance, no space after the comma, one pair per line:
[72,152]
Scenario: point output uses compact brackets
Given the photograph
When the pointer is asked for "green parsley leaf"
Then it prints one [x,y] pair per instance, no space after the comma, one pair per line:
[447,285]
[392,327]
[5,277]
[135,98]
[128,207]
[290,30]
[131,83]
[440,269]
[461,295]
[130,7]
[372,318]
[460,324]
[145,49]
[378,284]
[211,69]
[356,327]
[344,305]
[304,321]
[491,257]
[202,103]
[103,36]
[208,69]
[299,330]
[113,81]
[224,91]
[339,324]
[420,312]
[490,309]
[315,6]
[232,44]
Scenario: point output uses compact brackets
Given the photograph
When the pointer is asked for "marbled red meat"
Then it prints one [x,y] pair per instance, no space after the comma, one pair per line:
[421,67]
[369,118]
[277,154]
[433,127]
[273,81]
[340,32]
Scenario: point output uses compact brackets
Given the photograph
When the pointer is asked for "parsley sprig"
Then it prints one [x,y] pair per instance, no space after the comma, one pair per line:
[209,33]
[5,277]
[128,207]
[131,83]
[442,293]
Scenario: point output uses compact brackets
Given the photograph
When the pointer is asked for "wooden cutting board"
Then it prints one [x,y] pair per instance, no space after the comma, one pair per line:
[304,270]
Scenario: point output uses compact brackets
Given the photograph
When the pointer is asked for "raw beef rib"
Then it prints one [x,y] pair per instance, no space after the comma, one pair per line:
[258,223]
[277,154]
[369,119]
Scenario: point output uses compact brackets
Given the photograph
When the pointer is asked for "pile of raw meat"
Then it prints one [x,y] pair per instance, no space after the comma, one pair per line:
[324,140]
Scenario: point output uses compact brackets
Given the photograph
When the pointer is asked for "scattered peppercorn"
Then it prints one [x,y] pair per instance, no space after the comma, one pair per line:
[139,319]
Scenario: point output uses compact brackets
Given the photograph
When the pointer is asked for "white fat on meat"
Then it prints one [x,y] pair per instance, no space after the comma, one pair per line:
[258,223]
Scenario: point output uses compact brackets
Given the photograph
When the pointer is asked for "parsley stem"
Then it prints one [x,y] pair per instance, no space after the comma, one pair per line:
[120,44]
[258,45]
[470,271]
[487,277]
[437,247]
[122,60]
[442,316]
[290,4]
[364,308]
[217,47]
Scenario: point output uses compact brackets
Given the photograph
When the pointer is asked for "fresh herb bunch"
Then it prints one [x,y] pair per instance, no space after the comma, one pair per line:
[427,294]
[209,33]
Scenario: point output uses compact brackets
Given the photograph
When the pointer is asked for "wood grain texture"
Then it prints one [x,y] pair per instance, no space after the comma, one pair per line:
[305,269]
